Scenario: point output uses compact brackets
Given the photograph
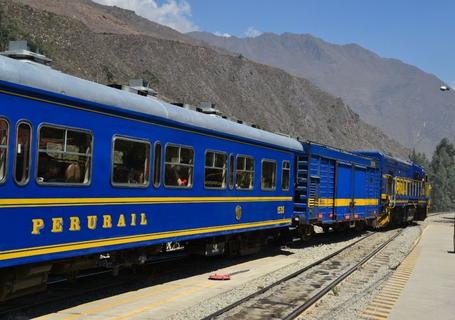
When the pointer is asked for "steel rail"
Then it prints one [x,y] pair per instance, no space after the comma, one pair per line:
[287,278]
[298,311]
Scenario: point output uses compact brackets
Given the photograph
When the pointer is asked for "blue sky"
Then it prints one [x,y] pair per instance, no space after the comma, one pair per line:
[418,32]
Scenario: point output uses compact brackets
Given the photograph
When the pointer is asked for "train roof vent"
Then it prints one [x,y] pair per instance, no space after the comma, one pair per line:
[282,134]
[188,107]
[141,87]
[21,51]
[209,108]
[184,105]
[137,86]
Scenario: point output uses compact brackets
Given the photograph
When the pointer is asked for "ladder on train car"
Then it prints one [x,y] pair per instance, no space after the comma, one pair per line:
[301,195]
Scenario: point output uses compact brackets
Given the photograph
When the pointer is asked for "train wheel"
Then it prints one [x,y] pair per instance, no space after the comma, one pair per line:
[359,226]
[306,232]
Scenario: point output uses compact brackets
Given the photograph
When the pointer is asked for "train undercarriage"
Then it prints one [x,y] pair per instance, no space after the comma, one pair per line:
[26,279]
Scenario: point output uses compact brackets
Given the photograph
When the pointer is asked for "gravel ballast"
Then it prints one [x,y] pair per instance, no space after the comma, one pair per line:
[305,256]
[351,297]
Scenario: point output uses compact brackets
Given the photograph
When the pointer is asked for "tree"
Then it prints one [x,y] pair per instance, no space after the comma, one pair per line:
[420,159]
[442,170]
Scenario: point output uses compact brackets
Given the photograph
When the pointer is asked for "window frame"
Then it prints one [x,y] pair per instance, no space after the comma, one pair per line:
[231,170]
[170,144]
[130,185]
[282,175]
[8,137]
[63,127]
[254,172]
[22,184]
[226,169]
[153,172]
[262,172]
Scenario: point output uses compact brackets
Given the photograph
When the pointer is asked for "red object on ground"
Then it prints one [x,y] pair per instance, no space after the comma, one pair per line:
[216,276]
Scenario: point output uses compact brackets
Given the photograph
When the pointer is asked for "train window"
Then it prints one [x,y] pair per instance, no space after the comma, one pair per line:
[388,185]
[157,166]
[268,178]
[131,161]
[178,166]
[231,171]
[64,156]
[215,170]
[245,173]
[4,133]
[23,150]
[286,175]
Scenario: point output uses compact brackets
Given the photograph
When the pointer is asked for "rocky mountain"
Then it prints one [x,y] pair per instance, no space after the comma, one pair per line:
[107,19]
[396,97]
[112,45]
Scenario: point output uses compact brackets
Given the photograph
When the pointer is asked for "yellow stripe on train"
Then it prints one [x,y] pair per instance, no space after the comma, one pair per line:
[53,202]
[34,251]
[343,202]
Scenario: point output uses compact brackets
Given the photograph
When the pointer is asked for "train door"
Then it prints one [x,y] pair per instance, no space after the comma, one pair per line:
[373,192]
[344,191]
[326,189]
[361,184]
[388,185]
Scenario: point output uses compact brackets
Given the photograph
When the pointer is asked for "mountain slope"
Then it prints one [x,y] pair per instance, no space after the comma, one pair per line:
[106,19]
[398,98]
[189,73]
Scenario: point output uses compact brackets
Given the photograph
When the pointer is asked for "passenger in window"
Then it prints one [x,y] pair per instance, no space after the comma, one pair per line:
[175,176]
[52,174]
[135,176]
[132,176]
[243,180]
[73,173]
[181,176]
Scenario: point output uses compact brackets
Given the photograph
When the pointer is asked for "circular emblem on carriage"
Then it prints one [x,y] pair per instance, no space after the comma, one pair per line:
[238,213]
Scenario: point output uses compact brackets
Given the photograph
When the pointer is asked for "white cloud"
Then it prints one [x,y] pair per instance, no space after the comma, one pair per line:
[220,34]
[173,13]
[452,84]
[251,32]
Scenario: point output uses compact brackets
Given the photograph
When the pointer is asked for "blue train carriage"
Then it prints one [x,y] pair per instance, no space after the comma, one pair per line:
[88,171]
[405,189]
[335,189]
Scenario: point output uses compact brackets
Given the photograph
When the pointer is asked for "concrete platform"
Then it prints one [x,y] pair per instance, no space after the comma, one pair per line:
[430,290]
[162,301]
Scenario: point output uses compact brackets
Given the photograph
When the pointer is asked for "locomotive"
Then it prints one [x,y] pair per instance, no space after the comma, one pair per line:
[91,173]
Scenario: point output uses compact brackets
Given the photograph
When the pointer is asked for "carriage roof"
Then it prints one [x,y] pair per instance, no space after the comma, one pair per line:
[41,77]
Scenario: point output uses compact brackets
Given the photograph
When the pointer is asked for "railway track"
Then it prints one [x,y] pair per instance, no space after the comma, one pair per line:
[62,294]
[437,213]
[289,297]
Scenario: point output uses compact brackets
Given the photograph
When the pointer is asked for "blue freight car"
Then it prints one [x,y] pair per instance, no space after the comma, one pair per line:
[86,169]
[335,188]
[405,190]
